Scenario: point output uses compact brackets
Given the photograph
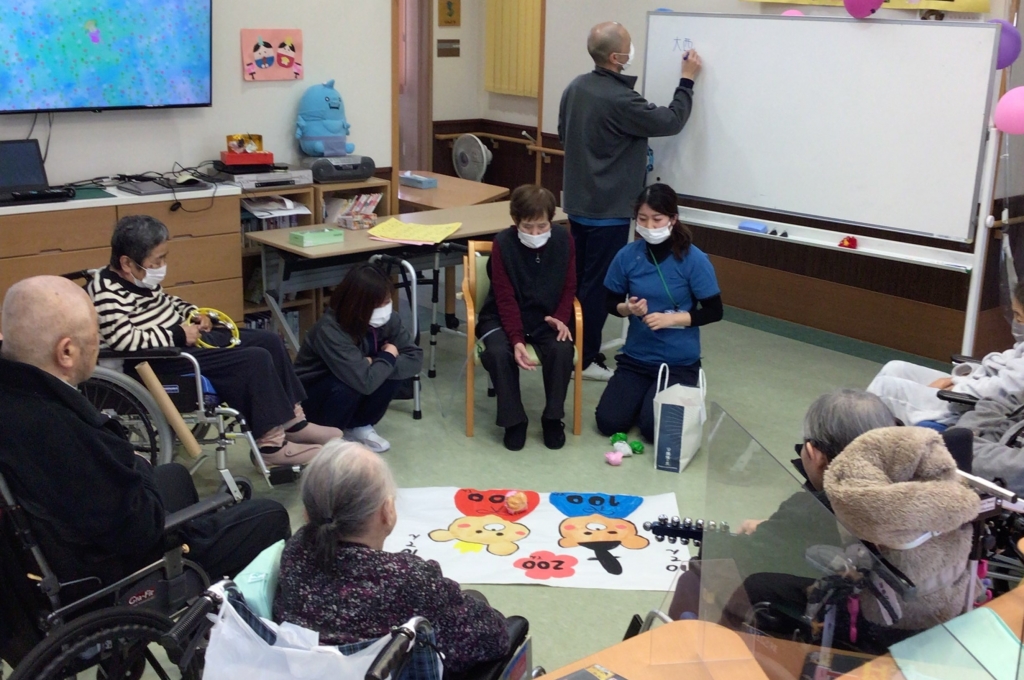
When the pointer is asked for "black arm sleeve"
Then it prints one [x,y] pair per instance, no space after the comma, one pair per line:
[708,310]
[612,302]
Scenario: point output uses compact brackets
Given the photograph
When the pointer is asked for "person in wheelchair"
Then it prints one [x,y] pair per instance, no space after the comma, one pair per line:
[355,358]
[777,545]
[533,282]
[336,578]
[912,391]
[96,507]
[256,377]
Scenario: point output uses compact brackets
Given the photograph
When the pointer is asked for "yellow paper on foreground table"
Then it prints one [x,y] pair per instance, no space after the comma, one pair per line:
[394,230]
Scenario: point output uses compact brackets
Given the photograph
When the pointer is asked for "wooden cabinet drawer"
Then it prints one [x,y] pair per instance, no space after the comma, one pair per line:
[220,218]
[223,295]
[57,230]
[14,269]
[197,260]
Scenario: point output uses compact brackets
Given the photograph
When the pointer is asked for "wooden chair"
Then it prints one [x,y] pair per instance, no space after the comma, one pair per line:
[475,285]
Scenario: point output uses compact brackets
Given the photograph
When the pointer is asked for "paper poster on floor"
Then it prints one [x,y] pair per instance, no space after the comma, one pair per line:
[973,6]
[568,539]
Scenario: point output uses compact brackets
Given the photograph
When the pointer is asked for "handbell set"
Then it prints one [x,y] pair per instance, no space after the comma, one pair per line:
[683,530]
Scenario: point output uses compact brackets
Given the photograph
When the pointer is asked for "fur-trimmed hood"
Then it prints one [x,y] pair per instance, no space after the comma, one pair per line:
[897,487]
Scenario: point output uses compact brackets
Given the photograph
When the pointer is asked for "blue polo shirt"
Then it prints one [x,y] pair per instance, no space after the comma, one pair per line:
[690,279]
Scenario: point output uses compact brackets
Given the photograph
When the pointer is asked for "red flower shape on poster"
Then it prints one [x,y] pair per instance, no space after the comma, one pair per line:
[543,565]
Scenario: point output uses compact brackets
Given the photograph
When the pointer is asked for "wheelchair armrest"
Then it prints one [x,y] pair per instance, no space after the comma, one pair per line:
[964,359]
[142,354]
[958,398]
[203,507]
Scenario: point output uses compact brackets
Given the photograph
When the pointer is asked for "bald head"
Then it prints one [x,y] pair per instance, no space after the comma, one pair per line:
[605,40]
[50,323]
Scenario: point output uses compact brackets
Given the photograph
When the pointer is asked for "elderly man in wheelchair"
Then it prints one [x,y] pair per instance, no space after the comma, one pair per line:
[251,372]
[75,491]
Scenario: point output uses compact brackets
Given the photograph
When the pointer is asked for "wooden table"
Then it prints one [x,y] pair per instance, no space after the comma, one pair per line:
[450,192]
[287,268]
[695,650]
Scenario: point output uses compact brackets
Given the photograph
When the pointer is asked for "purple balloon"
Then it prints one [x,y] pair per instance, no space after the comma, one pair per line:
[862,9]
[1009,43]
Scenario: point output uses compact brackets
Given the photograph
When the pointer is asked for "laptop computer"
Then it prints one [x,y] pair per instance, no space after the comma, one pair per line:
[23,176]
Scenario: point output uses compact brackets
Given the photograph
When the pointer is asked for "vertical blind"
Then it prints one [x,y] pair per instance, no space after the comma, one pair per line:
[512,51]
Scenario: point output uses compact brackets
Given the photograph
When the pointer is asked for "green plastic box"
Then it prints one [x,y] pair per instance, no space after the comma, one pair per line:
[316,237]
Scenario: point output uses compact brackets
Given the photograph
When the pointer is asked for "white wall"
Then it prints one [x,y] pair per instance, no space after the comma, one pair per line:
[348,40]
[459,81]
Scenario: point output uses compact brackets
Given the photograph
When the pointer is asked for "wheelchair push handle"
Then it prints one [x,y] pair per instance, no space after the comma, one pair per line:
[396,653]
[193,624]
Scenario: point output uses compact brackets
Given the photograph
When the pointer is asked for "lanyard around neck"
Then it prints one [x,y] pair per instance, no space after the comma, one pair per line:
[675,305]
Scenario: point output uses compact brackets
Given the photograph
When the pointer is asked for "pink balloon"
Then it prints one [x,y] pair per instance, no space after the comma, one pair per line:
[862,9]
[1010,112]
[792,13]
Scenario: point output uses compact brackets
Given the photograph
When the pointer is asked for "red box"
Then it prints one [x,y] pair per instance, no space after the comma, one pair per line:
[257,158]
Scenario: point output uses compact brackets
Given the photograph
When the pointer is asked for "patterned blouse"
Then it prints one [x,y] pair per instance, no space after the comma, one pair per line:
[368,591]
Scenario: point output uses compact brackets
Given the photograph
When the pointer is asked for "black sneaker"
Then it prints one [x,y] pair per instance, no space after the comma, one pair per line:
[554,433]
[515,437]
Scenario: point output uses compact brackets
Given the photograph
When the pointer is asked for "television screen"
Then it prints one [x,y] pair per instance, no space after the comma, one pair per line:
[64,55]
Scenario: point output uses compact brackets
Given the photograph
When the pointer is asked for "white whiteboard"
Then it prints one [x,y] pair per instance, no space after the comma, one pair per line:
[877,123]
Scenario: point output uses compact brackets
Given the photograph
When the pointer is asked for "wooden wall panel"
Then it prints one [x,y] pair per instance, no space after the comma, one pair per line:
[208,216]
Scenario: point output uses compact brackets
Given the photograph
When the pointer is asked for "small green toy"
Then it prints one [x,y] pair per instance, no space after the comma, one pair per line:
[637,447]
[618,437]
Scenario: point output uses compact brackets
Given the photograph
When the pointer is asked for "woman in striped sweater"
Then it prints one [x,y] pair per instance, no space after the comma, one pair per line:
[256,377]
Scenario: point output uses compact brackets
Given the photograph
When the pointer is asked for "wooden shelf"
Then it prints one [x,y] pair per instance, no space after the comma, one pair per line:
[250,308]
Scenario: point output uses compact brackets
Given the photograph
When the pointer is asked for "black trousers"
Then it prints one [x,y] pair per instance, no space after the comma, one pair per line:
[223,542]
[256,378]
[499,360]
[335,404]
[596,247]
[628,399]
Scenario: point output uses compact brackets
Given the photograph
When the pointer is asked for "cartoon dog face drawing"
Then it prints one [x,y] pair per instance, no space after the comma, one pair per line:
[499,535]
[599,529]
[602,535]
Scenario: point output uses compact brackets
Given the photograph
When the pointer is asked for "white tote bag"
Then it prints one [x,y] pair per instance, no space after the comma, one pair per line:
[236,651]
[679,416]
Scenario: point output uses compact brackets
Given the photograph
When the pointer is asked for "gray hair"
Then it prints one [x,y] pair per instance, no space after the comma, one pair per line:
[136,236]
[604,41]
[837,418]
[344,486]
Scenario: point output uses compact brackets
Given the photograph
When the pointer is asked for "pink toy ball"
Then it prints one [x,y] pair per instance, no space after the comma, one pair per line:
[1009,43]
[792,13]
[613,458]
[1010,112]
[862,9]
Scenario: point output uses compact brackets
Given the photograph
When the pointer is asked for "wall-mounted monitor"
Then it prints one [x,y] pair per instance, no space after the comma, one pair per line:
[68,55]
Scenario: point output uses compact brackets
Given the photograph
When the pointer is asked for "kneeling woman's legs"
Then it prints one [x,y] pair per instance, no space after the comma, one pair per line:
[677,375]
[624,396]
[336,404]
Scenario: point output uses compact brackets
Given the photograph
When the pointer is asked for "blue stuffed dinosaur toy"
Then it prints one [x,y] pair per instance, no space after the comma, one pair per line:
[321,127]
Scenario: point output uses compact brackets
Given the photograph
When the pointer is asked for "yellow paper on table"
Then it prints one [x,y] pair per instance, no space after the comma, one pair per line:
[394,230]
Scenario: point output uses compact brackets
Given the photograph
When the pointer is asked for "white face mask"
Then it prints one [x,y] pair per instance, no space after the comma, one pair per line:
[1017,328]
[654,236]
[629,59]
[152,278]
[534,240]
[381,315]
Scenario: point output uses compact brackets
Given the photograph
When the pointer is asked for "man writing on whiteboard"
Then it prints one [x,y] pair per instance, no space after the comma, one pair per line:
[603,125]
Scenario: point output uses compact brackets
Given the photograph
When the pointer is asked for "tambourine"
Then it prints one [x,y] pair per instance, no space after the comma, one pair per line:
[218,318]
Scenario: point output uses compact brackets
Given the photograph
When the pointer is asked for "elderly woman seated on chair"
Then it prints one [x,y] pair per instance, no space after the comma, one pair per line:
[255,377]
[533,282]
[337,579]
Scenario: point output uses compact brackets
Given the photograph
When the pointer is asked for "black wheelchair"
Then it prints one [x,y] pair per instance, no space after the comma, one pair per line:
[51,628]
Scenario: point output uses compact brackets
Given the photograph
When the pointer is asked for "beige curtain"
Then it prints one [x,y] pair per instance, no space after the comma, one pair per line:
[512,50]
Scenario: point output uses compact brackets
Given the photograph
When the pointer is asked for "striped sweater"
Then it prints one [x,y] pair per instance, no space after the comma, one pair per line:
[132,317]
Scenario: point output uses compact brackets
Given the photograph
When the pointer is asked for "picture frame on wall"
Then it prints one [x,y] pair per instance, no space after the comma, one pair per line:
[449,13]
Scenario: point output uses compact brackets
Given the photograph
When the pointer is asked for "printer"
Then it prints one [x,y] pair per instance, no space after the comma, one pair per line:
[339,168]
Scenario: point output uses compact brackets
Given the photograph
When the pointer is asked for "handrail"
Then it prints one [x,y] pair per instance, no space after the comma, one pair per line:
[544,149]
[488,135]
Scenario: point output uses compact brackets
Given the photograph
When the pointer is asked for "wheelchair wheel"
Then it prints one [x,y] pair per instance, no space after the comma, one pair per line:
[120,397]
[117,642]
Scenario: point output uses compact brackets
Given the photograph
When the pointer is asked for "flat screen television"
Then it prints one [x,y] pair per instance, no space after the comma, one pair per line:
[72,55]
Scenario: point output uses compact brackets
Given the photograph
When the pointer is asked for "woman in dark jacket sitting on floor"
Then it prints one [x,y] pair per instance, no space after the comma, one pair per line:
[337,579]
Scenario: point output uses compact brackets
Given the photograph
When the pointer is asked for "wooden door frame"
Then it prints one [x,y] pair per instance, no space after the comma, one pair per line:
[426,104]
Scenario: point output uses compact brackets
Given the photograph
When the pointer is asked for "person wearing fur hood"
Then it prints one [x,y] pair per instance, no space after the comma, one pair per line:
[898,488]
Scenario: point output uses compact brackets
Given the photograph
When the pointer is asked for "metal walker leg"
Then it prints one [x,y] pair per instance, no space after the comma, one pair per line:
[409,274]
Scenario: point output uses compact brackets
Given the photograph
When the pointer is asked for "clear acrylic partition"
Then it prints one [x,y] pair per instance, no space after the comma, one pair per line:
[743,606]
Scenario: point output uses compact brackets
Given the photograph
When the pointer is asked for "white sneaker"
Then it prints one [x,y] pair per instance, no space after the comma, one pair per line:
[596,371]
[368,437]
